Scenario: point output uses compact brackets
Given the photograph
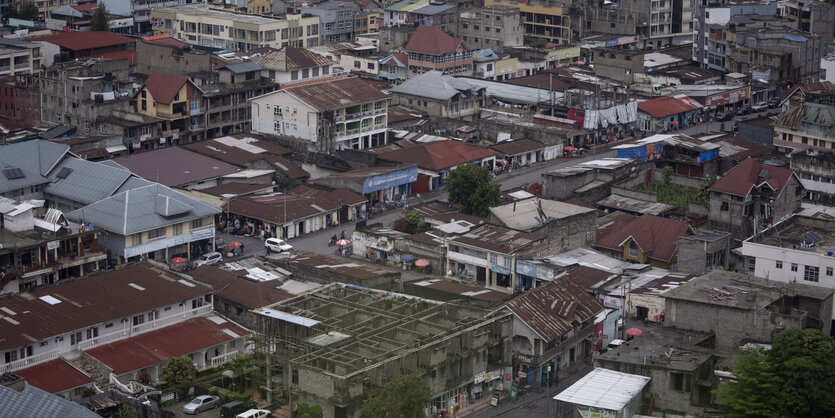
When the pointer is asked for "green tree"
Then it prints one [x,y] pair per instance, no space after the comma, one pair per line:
[10,12]
[792,379]
[470,188]
[127,411]
[535,42]
[29,12]
[241,365]
[405,397]
[306,410]
[98,22]
[179,372]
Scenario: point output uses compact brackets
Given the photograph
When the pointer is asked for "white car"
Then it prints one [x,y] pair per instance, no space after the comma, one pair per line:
[254,413]
[759,107]
[277,245]
[200,404]
[208,259]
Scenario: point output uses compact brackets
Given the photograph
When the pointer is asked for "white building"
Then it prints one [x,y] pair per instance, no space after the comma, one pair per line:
[106,314]
[330,114]
[799,249]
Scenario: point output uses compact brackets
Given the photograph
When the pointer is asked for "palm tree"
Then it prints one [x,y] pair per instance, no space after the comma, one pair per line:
[241,365]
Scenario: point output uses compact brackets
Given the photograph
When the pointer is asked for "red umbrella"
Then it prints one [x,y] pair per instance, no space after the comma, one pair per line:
[634,332]
[343,242]
[422,262]
[570,148]
[178,260]
[235,244]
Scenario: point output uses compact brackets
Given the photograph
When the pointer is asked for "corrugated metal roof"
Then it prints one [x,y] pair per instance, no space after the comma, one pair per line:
[335,94]
[136,210]
[88,182]
[34,158]
[289,58]
[531,214]
[666,106]
[34,402]
[605,389]
[436,85]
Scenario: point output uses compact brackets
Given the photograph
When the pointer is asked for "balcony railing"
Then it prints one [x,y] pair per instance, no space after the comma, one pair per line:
[29,361]
[224,358]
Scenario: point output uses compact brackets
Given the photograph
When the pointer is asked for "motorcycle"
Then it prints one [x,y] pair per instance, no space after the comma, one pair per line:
[332,242]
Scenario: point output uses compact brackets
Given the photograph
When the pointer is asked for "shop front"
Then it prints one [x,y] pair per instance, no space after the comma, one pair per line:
[532,275]
[389,186]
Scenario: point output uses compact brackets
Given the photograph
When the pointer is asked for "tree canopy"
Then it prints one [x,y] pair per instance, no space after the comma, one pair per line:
[470,188]
[98,22]
[305,410]
[179,372]
[29,12]
[405,397]
[792,379]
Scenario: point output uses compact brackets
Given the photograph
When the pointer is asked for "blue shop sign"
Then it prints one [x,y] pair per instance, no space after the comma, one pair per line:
[393,179]
[500,269]
[534,270]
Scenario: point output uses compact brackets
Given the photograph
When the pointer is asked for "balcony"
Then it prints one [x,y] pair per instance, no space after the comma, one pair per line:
[176,115]
[197,111]
[62,262]
[466,258]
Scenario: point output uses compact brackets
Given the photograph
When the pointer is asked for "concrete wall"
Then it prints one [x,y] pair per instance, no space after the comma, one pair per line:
[693,255]
[490,128]
[323,275]
[763,135]
[569,233]
[165,59]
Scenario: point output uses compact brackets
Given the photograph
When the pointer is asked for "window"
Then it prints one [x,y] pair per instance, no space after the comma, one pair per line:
[494,259]
[633,250]
[829,271]
[197,223]
[277,111]
[779,264]
[156,233]
[724,207]
[294,75]
[752,264]
[138,320]
[277,126]
[810,273]
[794,267]
[178,229]
[680,382]
[136,239]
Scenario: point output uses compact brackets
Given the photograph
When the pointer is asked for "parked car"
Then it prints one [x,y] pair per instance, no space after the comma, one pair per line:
[773,103]
[723,116]
[254,413]
[232,409]
[208,259]
[277,245]
[759,107]
[744,110]
[220,244]
[200,404]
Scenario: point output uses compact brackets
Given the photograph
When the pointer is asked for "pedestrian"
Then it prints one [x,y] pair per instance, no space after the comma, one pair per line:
[268,251]
[646,322]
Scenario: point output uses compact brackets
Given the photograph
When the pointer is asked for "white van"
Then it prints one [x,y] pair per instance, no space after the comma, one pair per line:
[254,413]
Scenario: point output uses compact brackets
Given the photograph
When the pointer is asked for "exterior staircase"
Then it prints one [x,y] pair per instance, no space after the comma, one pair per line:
[87,365]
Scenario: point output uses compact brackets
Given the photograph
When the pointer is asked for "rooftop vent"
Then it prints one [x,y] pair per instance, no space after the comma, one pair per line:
[13,173]
[64,172]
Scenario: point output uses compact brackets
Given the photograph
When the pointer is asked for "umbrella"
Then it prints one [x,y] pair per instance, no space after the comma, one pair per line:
[673,123]
[178,260]
[343,242]
[409,257]
[634,332]
[570,148]
[422,262]
[235,244]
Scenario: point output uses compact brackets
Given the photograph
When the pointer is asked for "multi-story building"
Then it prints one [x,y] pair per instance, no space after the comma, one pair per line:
[437,94]
[140,10]
[336,20]
[544,20]
[618,64]
[816,170]
[69,46]
[432,49]
[489,66]
[290,65]
[439,14]
[808,126]
[175,100]
[779,55]
[816,17]
[367,21]
[711,24]
[326,115]
[81,95]
[394,68]
[199,24]
[20,102]
[493,27]
[227,101]
[662,23]
[19,57]
[752,196]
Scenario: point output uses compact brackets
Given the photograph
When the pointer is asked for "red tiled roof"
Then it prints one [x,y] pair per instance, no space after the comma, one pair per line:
[671,105]
[347,197]
[164,87]
[746,175]
[164,40]
[129,55]
[86,7]
[438,155]
[79,41]
[54,376]
[158,346]
[654,234]
[434,41]
[289,168]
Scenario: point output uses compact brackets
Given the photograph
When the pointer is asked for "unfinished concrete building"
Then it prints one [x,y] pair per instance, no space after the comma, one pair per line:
[338,345]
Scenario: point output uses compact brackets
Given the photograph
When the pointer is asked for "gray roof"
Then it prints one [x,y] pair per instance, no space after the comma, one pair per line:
[133,182]
[34,158]
[243,67]
[34,402]
[530,214]
[433,9]
[88,181]
[141,209]
[436,85]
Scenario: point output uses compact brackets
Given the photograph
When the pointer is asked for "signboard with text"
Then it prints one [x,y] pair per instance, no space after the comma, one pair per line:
[392,179]
[728,97]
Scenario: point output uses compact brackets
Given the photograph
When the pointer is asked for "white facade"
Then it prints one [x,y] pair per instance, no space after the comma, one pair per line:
[353,127]
[812,266]
[105,332]
[828,68]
